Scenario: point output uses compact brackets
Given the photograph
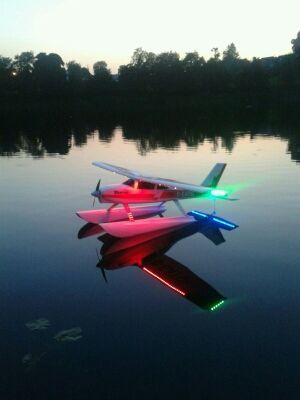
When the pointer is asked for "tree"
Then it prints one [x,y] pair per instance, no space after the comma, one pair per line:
[100,69]
[49,72]
[102,76]
[216,54]
[24,62]
[6,72]
[78,77]
[192,60]
[5,63]
[51,64]
[142,58]
[74,74]
[230,54]
[296,44]
[139,57]
[168,59]
[85,74]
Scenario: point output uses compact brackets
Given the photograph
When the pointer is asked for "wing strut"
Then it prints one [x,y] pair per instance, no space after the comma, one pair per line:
[112,206]
[129,213]
[179,206]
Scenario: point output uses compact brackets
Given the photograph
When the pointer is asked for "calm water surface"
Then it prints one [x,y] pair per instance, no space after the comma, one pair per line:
[140,339]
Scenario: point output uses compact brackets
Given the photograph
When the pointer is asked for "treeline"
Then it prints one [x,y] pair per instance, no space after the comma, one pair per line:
[148,73]
[42,134]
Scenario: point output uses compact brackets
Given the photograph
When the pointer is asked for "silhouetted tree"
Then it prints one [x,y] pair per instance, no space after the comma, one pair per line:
[139,57]
[192,72]
[5,63]
[100,68]
[23,67]
[85,74]
[103,81]
[216,54]
[74,74]
[230,54]
[192,60]
[296,44]
[149,73]
[78,78]
[24,62]
[49,73]
[6,75]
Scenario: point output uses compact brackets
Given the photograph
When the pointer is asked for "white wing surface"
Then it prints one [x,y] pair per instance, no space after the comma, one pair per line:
[159,181]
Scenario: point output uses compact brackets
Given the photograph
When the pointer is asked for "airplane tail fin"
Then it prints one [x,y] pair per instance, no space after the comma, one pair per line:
[214,176]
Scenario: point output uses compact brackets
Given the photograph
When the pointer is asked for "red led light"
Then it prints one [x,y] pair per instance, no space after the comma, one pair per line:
[165,282]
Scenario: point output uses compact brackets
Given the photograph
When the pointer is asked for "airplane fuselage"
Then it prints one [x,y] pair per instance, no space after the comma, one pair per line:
[122,193]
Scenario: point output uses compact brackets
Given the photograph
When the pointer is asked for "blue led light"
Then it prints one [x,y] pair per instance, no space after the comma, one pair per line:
[224,223]
[198,213]
[210,218]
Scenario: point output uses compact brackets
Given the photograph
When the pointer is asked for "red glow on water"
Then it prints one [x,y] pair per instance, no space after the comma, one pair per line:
[163,281]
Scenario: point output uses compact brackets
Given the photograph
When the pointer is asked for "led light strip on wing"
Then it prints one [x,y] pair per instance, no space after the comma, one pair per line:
[217,305]
[163,281]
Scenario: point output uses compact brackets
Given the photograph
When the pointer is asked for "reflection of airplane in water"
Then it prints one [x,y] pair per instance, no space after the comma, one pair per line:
[147,251]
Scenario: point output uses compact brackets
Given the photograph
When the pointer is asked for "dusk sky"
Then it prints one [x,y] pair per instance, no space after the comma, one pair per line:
[92,30]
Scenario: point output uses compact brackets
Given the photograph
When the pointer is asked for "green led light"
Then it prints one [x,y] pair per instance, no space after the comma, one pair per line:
[214,307]
[218,193]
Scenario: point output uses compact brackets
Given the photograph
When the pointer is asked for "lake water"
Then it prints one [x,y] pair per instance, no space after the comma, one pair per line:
[138,338]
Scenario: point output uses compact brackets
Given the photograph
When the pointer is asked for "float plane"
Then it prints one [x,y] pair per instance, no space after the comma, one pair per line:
[141,188]
[147,252]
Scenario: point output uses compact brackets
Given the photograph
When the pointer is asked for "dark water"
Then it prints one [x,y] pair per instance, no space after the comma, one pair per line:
[140,339]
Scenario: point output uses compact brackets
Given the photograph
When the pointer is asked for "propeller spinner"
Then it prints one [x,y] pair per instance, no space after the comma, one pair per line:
[96,192]
[99,265]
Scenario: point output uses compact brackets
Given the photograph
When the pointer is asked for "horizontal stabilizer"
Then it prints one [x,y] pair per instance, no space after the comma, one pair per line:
[213,219]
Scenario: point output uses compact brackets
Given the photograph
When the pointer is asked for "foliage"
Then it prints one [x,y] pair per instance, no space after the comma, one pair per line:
[24,62]
[230,54]
[296,44]
[148,73]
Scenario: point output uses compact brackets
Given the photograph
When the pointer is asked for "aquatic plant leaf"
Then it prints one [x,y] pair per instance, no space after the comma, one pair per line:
[69,335]
[38,324]
[30,360]
[27,358]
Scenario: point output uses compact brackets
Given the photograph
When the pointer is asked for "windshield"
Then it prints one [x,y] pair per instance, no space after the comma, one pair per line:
[129,182]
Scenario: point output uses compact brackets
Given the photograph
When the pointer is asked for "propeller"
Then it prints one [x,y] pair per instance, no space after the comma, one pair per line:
[101,267]
[96,191]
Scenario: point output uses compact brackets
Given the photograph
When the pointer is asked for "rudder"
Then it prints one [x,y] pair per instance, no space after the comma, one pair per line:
[214,176]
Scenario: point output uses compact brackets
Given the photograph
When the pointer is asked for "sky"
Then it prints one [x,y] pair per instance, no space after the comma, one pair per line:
[94,30]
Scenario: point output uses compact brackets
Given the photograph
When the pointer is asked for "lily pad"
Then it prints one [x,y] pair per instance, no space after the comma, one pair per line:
[69,335]
[27,359]
[38,324]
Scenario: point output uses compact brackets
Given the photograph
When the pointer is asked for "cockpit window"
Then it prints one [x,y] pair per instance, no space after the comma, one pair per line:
[146,185]
[129,182]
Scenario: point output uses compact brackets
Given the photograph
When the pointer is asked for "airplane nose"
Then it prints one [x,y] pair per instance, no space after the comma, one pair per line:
[96,193]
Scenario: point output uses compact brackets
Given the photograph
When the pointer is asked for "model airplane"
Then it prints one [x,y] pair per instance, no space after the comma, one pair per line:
[147,252]
[140,188]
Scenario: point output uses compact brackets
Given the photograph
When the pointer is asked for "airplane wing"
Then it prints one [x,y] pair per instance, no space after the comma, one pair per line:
[159,181]
[182,280]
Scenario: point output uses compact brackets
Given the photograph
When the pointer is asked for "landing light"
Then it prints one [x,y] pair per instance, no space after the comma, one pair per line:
[218,193]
